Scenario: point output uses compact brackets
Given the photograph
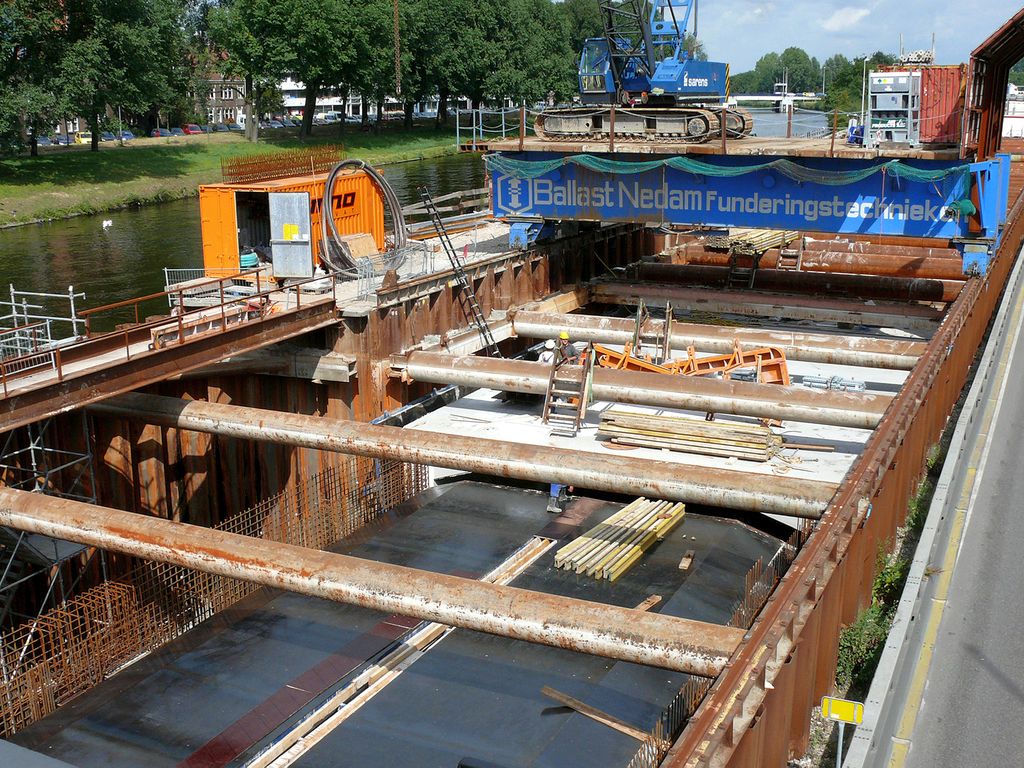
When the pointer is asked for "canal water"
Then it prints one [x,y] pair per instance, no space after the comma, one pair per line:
[127,258]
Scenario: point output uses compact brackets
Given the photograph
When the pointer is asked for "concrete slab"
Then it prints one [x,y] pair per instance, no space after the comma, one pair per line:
[255,668]
[166,707]
[484,414]
[477,698]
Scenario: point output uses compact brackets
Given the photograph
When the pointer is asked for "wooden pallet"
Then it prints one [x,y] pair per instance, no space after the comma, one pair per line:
[610,549]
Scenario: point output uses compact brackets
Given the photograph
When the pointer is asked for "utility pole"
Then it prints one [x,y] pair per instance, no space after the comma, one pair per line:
[398,55]
[863,91]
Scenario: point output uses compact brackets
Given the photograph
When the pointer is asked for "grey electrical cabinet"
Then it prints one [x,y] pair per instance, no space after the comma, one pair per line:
[894,108]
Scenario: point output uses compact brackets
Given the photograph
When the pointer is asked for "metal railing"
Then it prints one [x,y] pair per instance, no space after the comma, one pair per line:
[22,309]
[179,327]
[476,125]
[25,339]
[463,210]
[176,277]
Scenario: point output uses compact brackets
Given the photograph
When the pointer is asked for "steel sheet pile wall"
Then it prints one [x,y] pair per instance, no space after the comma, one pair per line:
[72,648]
[794,642]
[197,478]
[429,306]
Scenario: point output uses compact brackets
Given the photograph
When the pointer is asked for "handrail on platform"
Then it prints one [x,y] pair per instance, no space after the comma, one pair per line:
[13,368]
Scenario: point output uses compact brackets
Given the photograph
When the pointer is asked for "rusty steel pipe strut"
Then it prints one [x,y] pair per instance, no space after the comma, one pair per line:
[843,262]
[881,249]
[658,640]
[625,475]
[828,283]
[694,393]
[897,354]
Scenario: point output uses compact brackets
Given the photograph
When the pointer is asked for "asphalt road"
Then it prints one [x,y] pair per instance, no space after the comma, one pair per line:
[973,708]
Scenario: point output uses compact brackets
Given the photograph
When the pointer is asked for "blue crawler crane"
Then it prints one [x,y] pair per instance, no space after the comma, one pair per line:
[643,65]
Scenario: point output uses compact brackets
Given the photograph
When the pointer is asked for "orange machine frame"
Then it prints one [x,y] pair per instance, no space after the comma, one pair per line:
[769,362]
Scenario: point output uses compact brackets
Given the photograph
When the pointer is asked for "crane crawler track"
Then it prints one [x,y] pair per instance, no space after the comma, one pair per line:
[694,125]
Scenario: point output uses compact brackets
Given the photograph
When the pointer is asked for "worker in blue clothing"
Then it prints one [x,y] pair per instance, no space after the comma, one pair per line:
[557,498]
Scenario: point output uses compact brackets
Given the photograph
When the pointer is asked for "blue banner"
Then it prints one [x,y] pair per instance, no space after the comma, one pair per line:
[881,204]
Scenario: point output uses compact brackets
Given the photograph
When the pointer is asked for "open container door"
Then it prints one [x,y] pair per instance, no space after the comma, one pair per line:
[291,244]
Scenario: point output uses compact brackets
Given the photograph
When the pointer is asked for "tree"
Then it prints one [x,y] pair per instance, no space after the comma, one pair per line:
[846,82]
[253,36]
[31,53]
[373,45]
[119,52]
[800,70]
[321,54]
[582,22]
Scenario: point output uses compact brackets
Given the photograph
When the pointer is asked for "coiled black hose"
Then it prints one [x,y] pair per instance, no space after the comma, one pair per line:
[336,254]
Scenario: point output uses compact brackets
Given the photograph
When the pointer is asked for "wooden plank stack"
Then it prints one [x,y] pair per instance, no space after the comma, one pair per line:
[751,241]
[687,434]
[610,549]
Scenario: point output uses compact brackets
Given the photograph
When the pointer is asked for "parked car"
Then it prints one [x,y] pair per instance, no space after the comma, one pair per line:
[62,139]
[160,133]
[83,137]
[235,127]
[191,129]
[220,127]
[206,128]
[319,121]
[353,119]
[177,132]
[107,136]
[127,136]
[43,141]
[275,124]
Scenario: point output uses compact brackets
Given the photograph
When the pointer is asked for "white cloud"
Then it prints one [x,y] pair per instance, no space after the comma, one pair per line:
[843,19]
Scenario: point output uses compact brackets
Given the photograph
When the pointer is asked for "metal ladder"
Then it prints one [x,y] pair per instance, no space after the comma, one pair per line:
[741,277]
[467,296]
[790,260]
[565,403]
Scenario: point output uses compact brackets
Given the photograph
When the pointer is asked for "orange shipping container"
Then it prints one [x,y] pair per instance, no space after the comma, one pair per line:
[237,216]
[942,103]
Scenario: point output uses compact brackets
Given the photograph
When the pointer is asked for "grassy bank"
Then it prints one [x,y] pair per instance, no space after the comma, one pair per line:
[69,181]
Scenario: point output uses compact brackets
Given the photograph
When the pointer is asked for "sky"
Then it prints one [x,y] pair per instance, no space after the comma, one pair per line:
[741,31]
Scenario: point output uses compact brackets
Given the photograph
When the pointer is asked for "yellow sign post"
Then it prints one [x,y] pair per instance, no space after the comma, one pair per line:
[843,711]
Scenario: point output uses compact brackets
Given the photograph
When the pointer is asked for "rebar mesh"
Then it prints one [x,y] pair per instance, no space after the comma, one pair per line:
[66,651]
[250,169]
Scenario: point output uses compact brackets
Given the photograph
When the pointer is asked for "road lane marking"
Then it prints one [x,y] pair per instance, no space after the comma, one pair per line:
[970,488]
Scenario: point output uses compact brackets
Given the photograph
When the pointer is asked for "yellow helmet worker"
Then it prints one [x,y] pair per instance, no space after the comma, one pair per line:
[564,335]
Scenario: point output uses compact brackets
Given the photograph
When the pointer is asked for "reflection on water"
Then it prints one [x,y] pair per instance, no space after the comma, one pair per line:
[127,259]
[768,123]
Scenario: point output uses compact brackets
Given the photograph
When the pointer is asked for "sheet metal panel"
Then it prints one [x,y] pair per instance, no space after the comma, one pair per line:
[942,103]
[290,238]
